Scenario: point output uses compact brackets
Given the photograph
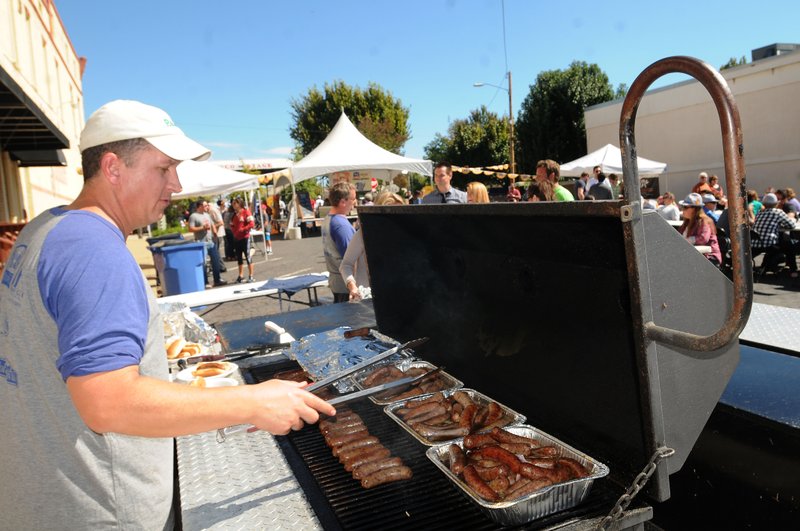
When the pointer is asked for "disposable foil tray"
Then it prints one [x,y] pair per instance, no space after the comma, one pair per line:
[479,398]
[451,382]
[548,500]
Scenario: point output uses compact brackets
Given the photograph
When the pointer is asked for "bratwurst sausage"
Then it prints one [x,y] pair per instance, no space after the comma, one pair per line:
[387,475]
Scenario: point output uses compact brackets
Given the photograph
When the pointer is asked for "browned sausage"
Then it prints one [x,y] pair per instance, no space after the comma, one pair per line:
[415,371]
[480,417]
[501,455]
[544,451]
[335,435]
[526,488]
[514,448]
[475,482]
[462,398]
[359,443]
[493,413]
[499,485]
[387,475]
[374,454]
[457,459]
[507,437]
[341,440]
[417,412]
[504,420]
[348,455]
[437,433]
[362,471]
[438,420]
[341,426]
[491,472]
[436,397]
[476,440]
[577,469]
[467,417]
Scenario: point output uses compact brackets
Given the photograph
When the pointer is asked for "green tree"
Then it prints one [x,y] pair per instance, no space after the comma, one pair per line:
[375,112]
[479,140]
[551,123]
[734,62]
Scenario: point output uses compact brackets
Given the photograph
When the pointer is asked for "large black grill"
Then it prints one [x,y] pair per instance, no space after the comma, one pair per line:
[429,501]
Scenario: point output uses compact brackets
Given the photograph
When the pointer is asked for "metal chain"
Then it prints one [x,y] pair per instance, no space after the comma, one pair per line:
[638,484]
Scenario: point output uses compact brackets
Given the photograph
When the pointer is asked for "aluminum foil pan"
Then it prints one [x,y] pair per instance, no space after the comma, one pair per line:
[327,353]
[451,382]
[478,398]
[549,500]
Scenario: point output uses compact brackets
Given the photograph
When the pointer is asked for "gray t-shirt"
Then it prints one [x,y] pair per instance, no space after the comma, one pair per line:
[198,220]
[56,472]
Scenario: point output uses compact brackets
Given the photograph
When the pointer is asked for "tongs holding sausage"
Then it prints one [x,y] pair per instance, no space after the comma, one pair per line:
[403,383]
[222,433]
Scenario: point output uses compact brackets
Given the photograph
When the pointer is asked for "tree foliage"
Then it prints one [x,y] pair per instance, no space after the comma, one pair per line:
[734,62]
[375,112]
[479,140]
[551,123]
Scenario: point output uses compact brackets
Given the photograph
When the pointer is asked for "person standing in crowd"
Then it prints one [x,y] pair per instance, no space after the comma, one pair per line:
[701,186]
[477,193]
[444,193]
[336,235]
[282,206]
[602,190]
[769,224]
[616,189]
[593,180]
[227,216]
[415,198]
[218,230]
[540,191]
[514,195]
[267,211]
[353,267]
[318,203]
[698,228]
[88,412]
[580,186]
[785,203]
[549,170]
[200,225]
[710,207]
[241,224]
[669,210]
[753,204]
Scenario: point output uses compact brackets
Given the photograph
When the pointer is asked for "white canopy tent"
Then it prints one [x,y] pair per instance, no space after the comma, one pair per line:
[346,149]
[205,178]
[208,179]
[609,158]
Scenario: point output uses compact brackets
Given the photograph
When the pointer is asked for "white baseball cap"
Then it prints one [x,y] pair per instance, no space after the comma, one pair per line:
[128,119]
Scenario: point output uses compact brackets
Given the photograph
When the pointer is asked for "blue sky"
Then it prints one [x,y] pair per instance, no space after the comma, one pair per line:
[226,71]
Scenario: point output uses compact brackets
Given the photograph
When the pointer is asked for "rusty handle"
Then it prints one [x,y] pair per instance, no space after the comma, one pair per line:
[733,152]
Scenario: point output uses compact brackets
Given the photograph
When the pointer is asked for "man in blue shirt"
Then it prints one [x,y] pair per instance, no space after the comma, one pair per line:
[444,193]
[336,234]
[710,207]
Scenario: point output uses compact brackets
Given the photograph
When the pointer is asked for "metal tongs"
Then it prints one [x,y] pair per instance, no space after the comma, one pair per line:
[223,433]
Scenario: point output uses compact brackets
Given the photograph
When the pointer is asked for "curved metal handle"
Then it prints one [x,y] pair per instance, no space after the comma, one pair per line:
[733,151]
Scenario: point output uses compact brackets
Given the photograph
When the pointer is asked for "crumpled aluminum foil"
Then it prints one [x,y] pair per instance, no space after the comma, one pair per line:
[180,321]
[327,353]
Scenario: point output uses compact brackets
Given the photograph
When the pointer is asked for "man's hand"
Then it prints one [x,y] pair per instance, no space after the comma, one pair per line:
[285,406]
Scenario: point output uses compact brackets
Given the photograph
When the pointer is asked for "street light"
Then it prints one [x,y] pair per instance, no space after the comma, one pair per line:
[510,118]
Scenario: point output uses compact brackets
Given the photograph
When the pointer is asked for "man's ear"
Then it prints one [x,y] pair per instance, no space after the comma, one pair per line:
[111,166]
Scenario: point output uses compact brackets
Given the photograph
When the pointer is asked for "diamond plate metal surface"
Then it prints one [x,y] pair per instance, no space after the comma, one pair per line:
[242,483]
[774,326]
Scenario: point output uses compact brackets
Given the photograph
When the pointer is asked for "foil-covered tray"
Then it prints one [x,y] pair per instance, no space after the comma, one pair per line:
[327,353]
[513,417]
[548,500]
[450,381]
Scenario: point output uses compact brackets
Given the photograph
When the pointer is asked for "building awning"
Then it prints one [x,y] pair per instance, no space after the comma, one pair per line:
[23,125]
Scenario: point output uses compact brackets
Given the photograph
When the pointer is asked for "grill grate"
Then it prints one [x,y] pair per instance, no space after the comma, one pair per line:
[428,501]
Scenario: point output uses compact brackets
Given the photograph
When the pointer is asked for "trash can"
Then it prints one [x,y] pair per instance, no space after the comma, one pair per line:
[180,265]
[163,237]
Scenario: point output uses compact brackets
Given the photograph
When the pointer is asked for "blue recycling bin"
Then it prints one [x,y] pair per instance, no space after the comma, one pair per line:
[180,265]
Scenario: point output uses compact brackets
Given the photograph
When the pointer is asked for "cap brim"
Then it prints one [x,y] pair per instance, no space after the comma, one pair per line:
[179,147]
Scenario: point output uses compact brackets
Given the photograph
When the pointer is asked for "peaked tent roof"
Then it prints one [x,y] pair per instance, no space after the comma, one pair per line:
[346,149]
[206,178]
[609,158]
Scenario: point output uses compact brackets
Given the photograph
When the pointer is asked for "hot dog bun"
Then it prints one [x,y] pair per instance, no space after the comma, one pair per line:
[175,347]
[210,368]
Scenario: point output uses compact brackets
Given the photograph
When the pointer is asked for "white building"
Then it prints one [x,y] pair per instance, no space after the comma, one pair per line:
[678,124]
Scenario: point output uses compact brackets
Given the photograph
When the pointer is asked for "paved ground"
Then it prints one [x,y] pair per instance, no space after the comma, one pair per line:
[297,257]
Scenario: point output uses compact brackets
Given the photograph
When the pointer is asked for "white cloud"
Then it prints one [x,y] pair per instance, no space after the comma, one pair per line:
[224,145]
[285,151]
